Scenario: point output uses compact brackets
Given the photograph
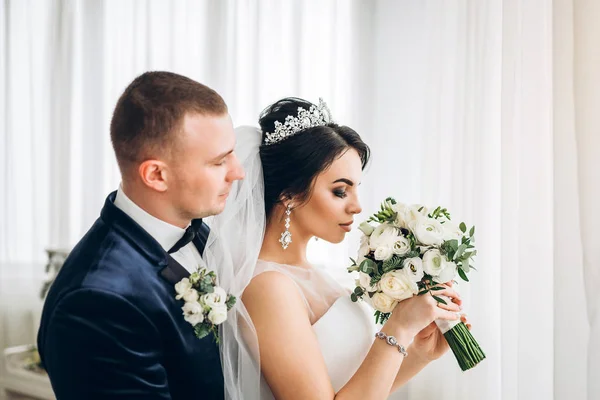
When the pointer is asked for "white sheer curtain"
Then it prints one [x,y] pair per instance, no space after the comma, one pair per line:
[486,107]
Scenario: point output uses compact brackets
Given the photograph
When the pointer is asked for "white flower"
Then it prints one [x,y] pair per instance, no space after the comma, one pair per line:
[412,213]
[218,315]
[413,269]
[433,262]
[397,285]
[192,312]
[382,302]
[215,299]
[451,231]
[383,253]
[383,235]
[182,287]
[191,295]
[428,231]
[363,250]
[448,273]
[366,228]
[401,246]
[400,210]
[365,281]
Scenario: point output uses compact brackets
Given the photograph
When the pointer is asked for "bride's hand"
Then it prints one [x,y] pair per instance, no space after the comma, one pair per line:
[430,344]
[413,315]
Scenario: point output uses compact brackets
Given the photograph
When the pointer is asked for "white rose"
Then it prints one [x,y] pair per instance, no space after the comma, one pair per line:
[182,287]
[383,253]
[413,269]
[218,315]
[451,231]
[192,312]
[397,285]
[448,273]
[363,250]
[428,231]
[382,302]
[412,213]
[401,246]
[433,262]
[366,228]
[383,235]
[191,295]
[400,210]
[215,299]
[365,281]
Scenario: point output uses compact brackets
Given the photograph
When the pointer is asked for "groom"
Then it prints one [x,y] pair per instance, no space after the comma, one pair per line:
[111,326]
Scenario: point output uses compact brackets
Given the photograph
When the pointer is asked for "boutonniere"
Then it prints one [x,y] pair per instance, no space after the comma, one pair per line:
[206,303]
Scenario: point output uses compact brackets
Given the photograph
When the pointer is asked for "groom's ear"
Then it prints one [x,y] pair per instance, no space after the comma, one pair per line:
[154,174]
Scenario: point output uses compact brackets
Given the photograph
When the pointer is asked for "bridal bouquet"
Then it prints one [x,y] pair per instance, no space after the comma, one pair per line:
[205,304]
[410,251]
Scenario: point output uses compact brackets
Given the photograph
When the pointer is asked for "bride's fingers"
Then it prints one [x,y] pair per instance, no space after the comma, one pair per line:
[448,292]
[449,306]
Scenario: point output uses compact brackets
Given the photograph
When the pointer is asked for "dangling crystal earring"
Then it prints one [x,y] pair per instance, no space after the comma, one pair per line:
[286,236]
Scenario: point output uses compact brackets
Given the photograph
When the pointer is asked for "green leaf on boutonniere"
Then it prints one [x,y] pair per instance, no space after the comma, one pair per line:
[206,285]
[230,302]
[202,330]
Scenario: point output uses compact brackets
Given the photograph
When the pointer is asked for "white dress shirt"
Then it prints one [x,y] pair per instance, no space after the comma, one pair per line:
[163,232]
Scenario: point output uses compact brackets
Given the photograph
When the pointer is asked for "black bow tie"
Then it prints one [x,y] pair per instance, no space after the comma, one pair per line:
[189,235]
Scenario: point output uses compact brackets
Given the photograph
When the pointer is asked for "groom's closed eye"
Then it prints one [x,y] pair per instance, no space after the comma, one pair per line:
[221,158]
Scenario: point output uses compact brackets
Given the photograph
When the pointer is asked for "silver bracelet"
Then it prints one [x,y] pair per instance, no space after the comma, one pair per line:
[392,342]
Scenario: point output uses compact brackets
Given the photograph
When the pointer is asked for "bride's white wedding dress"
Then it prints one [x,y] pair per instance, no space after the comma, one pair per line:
[345,330]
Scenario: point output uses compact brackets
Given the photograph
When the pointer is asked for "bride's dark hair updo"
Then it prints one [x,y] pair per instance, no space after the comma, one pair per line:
[291,165]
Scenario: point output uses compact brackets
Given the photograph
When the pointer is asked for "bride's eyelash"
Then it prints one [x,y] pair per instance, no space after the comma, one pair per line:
[340,193]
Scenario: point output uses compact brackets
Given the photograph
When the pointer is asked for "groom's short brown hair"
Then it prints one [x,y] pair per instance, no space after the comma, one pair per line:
[150,111]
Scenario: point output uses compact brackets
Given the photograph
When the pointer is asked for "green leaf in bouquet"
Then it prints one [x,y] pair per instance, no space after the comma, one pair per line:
[436,288]
[472,231]
[368,266]
[358,291]
[459,252]
[353,261]
[202,330]
[462,274]
[375,279]
[465,266]
[354,298]
[439,299]
[463,227]
[423,292]
[393,263]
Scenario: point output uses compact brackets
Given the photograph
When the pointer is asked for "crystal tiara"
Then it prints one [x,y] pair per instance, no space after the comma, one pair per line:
[315,116]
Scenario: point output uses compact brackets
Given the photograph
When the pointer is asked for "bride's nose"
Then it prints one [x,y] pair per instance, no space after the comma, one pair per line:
[355,207]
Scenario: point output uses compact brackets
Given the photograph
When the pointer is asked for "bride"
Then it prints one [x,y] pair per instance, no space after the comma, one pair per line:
[295,334]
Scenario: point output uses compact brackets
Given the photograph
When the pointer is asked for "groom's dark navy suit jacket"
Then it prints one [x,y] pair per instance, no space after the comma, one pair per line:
[111,326]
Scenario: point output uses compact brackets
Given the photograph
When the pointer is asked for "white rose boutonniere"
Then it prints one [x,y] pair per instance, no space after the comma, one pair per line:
[206,304]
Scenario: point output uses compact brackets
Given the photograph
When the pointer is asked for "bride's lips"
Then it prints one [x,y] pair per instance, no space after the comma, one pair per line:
[347,226]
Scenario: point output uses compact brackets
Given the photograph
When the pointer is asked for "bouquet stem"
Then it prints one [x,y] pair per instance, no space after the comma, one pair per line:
[464,346]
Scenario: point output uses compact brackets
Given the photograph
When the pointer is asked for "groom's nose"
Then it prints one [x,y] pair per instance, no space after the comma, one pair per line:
[237,171]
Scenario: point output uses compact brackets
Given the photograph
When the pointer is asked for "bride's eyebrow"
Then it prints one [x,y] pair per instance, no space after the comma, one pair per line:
[344,180]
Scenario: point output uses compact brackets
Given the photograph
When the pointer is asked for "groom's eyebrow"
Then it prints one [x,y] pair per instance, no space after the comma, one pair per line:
[344,180]
[222,155]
